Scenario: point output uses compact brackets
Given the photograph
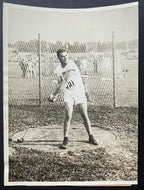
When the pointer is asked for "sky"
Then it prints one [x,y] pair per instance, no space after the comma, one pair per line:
[84,26]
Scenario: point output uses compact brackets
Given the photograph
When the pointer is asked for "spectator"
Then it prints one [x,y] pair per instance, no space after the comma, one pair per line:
[23,66]
[29,68]
[95,64]
[84,66]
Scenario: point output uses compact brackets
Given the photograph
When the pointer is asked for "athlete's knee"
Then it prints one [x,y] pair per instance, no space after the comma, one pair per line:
[85,117]
[68,115]
[68,111]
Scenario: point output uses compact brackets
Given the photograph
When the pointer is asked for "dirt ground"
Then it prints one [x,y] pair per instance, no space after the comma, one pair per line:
[114,159]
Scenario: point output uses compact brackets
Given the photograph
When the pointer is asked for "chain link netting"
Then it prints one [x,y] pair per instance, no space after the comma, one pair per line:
[94,60]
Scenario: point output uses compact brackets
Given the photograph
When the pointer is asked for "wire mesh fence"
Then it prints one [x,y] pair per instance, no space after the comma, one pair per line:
[94,60]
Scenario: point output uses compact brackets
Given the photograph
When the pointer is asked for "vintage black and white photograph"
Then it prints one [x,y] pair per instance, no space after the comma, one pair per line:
[70,95]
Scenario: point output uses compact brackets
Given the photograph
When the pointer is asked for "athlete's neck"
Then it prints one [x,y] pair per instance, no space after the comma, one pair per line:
[63,64]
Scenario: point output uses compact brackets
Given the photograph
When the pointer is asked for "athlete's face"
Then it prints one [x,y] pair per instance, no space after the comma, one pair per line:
[63,57]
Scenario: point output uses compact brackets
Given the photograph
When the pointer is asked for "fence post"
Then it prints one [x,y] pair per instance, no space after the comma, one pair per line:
[113,61]
[40,81]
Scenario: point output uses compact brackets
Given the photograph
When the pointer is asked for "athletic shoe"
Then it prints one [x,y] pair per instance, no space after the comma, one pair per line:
[92,140]
[64,144]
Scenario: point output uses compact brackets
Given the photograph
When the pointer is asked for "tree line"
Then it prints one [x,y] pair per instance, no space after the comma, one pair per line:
[100,46]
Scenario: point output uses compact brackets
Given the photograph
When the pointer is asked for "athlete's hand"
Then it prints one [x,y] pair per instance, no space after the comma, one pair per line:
[52,98]
[70,84]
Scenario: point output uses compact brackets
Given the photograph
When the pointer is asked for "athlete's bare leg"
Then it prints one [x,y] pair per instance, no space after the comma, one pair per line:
[84,114]
[83,110]
[68,117]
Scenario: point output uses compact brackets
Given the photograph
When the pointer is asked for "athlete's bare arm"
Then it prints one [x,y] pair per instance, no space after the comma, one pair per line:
[62,83]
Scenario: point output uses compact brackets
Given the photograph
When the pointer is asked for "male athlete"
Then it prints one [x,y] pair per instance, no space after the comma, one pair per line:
[71,84]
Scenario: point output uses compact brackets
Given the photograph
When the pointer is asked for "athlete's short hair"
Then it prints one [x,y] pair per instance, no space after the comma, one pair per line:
[60,51]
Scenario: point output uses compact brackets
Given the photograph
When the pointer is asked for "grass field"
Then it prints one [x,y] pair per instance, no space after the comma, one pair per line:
[107,163]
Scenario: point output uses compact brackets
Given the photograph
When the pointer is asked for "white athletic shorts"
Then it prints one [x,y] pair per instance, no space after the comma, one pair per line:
[74,97]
